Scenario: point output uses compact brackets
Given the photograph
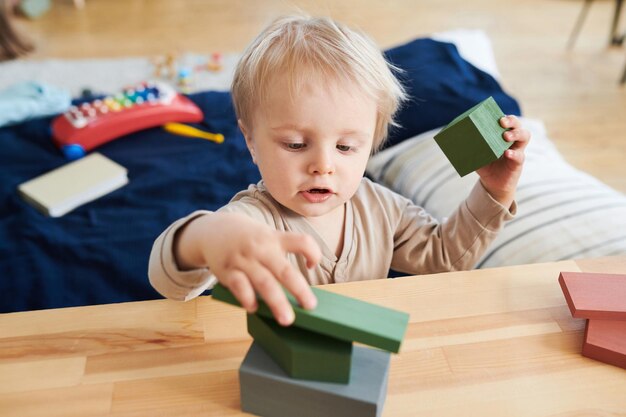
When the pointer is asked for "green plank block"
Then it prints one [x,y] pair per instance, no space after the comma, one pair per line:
[342,317]
[301,353]
[474,139]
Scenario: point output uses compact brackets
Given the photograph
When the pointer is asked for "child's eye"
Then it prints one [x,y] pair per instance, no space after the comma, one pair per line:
[295,146]
[344,148]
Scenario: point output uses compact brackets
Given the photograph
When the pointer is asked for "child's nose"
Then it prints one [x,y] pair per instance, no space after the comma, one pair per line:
[322,164]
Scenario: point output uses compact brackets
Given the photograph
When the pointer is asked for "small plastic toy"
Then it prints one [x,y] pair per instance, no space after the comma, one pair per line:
[192,132]
[165,66]
[184,80]
[215,64]
[89,125]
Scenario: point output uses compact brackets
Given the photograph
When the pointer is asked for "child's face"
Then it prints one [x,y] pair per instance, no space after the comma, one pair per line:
[312,147]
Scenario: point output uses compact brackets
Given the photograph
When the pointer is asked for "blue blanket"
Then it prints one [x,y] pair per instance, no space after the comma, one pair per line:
[99,252]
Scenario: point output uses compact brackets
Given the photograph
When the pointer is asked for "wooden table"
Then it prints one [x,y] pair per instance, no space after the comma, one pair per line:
[495,342]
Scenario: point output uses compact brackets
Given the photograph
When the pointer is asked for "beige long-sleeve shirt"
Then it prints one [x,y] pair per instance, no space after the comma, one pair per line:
[382,229]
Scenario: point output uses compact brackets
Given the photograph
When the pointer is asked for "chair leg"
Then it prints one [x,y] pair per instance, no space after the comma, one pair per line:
[579,22]
[614,38]
[623,81]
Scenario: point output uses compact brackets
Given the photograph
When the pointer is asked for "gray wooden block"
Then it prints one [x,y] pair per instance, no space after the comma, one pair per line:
[266,389]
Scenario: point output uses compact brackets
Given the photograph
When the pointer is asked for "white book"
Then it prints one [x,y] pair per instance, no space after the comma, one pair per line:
[63,189]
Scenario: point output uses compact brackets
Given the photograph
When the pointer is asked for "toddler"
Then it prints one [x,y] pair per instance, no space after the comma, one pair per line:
[314,99]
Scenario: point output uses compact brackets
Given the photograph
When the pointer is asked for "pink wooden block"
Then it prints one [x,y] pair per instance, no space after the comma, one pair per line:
[605,340]
[595,296]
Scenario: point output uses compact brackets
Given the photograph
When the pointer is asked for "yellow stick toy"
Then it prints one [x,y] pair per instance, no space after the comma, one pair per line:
[192,132]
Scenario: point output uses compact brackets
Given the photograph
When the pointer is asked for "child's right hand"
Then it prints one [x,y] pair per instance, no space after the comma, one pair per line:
[249,257]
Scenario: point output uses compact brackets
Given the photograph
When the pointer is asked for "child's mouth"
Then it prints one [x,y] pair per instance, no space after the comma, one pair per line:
[317,195]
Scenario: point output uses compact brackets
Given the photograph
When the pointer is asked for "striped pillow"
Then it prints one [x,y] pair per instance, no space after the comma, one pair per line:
[563,213]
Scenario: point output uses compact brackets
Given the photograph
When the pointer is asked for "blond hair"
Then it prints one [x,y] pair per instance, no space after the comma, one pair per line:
[300,46]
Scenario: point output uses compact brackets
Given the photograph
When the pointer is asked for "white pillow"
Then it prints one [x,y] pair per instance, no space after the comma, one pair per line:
[563,213]
[474,46]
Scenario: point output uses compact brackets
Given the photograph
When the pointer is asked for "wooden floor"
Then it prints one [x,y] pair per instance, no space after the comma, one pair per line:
[575,92]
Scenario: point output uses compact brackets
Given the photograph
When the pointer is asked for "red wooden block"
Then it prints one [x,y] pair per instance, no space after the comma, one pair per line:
[605,340]
[595,296]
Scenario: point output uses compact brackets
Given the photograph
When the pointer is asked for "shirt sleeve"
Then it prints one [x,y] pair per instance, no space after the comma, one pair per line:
[163,271]
[423,245]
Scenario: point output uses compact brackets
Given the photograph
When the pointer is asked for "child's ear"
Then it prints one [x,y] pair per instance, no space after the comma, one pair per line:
[248,138]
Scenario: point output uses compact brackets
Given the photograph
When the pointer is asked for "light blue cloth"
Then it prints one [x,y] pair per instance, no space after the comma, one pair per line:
[28,100]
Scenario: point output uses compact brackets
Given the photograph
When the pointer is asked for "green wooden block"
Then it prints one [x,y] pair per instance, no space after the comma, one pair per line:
[342,317]
[301,353]
[474,139]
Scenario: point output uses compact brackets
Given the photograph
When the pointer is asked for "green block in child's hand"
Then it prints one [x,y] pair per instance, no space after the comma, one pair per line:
[341,317]
[474,139]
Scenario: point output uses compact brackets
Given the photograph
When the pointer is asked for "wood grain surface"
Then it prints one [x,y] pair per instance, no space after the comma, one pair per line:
[492,342]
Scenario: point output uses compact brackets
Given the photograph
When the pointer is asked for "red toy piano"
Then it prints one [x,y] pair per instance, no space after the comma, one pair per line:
[89,125]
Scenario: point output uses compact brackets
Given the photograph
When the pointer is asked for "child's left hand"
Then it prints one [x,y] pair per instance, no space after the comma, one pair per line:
[500,177]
